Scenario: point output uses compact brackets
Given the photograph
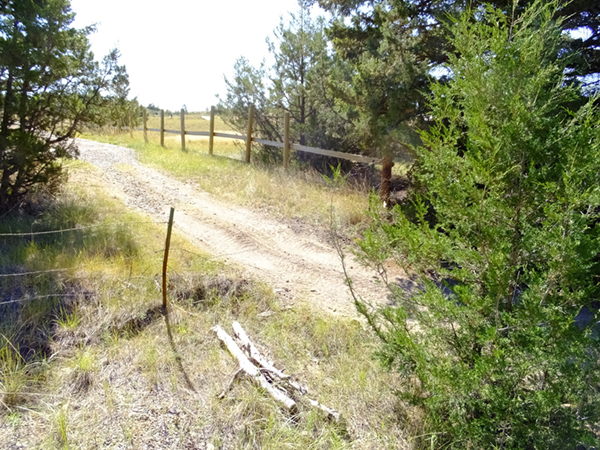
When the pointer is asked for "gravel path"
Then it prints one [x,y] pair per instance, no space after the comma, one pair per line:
[296,263]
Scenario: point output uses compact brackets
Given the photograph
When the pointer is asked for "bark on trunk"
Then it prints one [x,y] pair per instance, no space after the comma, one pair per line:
[386,181]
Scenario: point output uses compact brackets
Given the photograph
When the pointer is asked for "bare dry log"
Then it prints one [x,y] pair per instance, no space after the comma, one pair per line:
[252,352]
[254,355]
[252,371]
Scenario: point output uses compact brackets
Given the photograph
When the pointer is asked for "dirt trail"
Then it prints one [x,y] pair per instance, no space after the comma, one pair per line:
[297,263]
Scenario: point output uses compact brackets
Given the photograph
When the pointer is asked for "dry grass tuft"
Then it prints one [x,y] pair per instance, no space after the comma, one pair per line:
[106,367]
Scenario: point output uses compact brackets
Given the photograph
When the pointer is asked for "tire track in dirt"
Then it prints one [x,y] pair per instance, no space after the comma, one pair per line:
[297,264]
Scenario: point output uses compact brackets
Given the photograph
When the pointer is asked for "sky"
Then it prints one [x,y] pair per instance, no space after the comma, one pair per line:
[177,51]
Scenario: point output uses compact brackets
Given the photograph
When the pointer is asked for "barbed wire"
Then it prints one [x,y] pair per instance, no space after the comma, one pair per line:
[18,274]
[211,257]
[81,294]
[66,269]
[35,233]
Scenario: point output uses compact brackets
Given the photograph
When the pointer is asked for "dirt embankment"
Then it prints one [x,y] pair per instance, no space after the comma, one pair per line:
[295,261]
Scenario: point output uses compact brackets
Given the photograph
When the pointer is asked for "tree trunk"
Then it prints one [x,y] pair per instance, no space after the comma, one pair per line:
[386,180]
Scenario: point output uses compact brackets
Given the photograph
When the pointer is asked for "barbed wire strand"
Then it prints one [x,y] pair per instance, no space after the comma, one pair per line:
[66,269]
[210,257]
[22,300]
[83,294]
[35,233]
[19,274]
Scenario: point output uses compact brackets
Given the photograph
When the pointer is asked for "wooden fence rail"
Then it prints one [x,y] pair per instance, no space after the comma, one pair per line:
[286,145]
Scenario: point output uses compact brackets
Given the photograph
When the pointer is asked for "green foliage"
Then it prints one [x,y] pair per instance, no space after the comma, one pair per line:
[116,109]
[489,334]
[389,64]
[13,380]
[337,179]
[67,320]
[49,86]
[297,83]
[394,46]
[248,88]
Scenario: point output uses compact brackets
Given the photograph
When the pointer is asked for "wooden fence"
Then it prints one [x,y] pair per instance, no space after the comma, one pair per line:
[286,145]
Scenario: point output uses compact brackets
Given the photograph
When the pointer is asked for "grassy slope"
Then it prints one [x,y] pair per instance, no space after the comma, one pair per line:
[100,366]
[296,194]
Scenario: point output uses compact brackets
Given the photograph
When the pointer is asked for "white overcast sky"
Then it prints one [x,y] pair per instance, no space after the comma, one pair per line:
[177,51]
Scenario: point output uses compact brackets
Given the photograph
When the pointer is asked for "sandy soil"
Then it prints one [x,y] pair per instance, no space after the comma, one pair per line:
[297,261]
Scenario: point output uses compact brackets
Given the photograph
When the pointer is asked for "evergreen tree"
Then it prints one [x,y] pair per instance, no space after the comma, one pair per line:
[300,78]
[248,87]
[499,338]
[49,86]
[297,83]
[395,46]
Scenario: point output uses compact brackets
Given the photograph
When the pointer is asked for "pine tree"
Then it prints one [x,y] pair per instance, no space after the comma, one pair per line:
[298,83]
[395,46]
[49,86]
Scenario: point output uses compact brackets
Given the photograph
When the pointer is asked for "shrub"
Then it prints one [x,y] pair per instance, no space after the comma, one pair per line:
[492,337]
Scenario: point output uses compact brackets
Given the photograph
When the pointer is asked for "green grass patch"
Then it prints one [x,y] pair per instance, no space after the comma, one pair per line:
[88,359]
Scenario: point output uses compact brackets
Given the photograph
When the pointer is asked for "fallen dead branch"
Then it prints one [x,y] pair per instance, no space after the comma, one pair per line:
[262,372]
[252,371]
[255,356]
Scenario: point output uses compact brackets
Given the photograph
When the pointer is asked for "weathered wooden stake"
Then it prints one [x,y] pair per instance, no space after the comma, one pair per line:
[166,258]
[130,124]
[249,136]
[211,136]
[162,127]
[182,115]
[145,126]
[286,140]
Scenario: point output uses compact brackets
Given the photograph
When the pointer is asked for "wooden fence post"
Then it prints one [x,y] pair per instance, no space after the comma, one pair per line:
[249,136]
[286,140]
[130,124]
[162,127]
[166,257]
[211,136]
[145,126]
[182,115]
